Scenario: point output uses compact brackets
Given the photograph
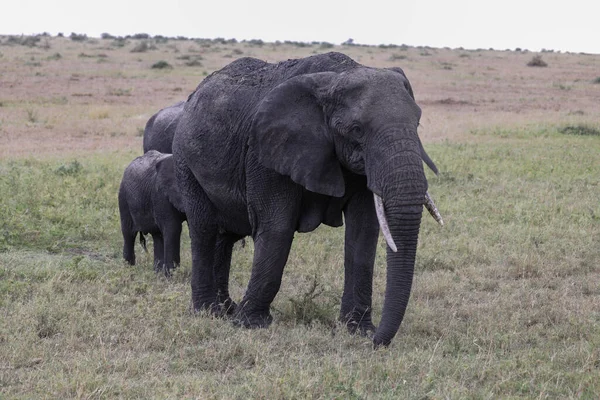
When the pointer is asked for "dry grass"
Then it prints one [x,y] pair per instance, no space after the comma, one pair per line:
[505,300]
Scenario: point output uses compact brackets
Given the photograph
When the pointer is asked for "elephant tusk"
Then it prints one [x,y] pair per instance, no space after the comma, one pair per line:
[430,206]
[385,228]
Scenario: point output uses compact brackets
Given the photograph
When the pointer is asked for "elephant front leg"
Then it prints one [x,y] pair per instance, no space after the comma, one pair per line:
[129,247]
[271,250]
[362,232]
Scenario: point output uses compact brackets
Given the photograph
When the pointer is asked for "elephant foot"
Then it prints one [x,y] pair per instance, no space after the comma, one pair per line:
[359,323]
[203,304]
[251,319]
[224,307]
[164,269]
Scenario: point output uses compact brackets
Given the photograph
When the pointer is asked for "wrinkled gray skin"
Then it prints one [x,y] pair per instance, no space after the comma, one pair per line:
[268,150]
[160,128]
[150,202]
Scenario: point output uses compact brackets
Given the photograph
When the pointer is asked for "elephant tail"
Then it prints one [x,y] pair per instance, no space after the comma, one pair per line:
[143,241]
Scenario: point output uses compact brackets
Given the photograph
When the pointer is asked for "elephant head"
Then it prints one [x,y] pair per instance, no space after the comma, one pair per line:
[365,120]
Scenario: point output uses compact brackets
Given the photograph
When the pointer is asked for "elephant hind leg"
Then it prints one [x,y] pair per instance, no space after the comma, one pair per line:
[172,242]
[222,266]
[203,229]
[159,257]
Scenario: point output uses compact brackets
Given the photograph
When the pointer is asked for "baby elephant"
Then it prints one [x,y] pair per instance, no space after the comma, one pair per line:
[150,202]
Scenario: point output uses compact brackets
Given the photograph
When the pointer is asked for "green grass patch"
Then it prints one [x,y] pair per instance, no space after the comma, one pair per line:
[504,302]
[56,205]
[584,130]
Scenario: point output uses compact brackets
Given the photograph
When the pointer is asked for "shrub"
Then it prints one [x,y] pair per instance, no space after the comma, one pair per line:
[194,63]
[326,45]
[162,65]
[396,57]
[140,47]
[78,37]
[597,80]
[30,41]
[537,61]
[581,130]
[256,42]
[141,36]
[119,42]
[73,168]
[107,36]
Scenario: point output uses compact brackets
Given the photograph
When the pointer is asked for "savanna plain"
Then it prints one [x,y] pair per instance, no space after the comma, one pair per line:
[506,296]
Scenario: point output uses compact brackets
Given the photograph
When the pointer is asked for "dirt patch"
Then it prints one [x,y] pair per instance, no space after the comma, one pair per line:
[57,100]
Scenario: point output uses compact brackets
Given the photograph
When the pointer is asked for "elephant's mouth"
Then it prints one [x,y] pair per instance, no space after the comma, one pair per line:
[385,227]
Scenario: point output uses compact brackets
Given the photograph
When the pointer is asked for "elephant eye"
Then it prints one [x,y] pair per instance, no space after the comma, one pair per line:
[356,130]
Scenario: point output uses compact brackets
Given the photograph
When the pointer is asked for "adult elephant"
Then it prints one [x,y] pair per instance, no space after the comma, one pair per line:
[270,149]
[160,128]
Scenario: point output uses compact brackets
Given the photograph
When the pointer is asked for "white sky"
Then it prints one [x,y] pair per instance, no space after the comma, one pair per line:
[572,25]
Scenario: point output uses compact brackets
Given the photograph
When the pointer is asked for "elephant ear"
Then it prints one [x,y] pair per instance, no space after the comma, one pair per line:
[424,156]
[290,134]
[405,80]
[167,183]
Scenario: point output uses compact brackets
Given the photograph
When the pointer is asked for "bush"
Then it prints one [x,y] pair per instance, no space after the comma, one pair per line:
[29,41]
[597,80]
[396,57]
[256,42]
[141,47]
[73,168]
[581,130]
[119,42]
[162,65]
[194,63]
[78,37]
[537,61]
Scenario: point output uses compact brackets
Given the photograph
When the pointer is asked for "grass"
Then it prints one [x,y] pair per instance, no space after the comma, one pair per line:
[504,303]
[505,298]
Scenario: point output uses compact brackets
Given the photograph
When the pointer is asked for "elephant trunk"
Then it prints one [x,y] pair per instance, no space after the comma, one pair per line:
[399,186]
[404,224]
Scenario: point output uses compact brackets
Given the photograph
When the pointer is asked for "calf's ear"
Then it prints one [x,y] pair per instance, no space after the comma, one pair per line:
[166,182]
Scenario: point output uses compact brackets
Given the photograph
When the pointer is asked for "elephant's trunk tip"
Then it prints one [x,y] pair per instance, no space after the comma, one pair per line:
[430,206]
